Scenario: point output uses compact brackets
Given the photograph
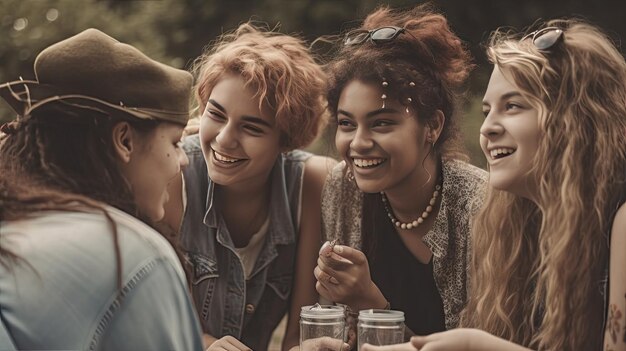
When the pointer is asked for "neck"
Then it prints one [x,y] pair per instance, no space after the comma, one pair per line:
[409,198]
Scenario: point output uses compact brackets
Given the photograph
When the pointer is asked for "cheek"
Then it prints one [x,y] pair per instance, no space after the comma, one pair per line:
[342,142]
[483,143]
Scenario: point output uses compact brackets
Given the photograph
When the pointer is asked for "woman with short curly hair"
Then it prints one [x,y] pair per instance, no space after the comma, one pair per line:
[252,200]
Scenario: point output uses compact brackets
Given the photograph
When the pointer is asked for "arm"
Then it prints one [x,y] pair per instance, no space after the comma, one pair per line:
[452,340]
[615,333]
[309,238]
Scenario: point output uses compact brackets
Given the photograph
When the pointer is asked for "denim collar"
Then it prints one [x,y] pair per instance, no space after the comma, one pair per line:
[281,230]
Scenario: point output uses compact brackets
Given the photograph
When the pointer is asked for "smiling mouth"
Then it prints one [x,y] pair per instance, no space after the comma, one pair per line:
[501,153]
[225,159]
[368,163]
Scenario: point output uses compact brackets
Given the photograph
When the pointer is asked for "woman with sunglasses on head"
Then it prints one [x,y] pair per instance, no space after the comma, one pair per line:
[548,269]
[251,223]
[78,271]
[399,206]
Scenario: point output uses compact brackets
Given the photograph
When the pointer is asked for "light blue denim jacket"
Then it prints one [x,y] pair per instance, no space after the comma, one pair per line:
[227,303]
[64,294]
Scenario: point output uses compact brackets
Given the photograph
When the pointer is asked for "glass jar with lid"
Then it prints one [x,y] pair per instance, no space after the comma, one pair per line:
[322,327]
[380,327]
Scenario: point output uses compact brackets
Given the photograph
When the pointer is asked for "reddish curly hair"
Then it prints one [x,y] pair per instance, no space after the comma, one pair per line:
[280,67]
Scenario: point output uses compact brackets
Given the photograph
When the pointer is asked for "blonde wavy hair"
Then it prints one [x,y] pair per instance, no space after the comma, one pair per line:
[288,80]
[537,268]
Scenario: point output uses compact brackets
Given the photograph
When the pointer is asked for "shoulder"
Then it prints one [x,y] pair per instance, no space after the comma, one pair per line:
[317,168]
[88,238]
[464,184]
[618,231]
[464,172]
[191,144]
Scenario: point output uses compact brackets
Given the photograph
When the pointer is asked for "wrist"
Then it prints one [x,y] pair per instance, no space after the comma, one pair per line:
[375,299]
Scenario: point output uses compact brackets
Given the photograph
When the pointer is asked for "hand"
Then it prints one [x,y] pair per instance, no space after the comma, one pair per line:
[343,276]
[324,343]
[192,127]
[397,347]
[452,340]
[228,343]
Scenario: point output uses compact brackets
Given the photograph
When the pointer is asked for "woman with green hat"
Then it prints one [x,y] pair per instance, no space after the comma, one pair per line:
[93,148]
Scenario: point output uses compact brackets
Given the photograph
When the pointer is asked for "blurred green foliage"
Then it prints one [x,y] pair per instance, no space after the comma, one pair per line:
[176,31]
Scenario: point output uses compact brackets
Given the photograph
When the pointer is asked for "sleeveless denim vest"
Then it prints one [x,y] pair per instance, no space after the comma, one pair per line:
[228,304]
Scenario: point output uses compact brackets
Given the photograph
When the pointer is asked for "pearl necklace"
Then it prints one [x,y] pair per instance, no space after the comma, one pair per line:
[415,223]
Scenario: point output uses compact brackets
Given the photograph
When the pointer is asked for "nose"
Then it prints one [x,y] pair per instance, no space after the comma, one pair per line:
[227,137]
[362,140]
[491,127]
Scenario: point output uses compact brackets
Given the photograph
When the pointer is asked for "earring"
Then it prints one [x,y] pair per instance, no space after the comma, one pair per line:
[408,103]
[384,96]
[349,175]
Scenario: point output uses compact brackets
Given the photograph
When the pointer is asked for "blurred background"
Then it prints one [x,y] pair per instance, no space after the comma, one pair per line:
[176,31]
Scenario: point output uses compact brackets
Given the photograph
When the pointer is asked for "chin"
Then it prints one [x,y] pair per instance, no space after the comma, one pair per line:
[369,187]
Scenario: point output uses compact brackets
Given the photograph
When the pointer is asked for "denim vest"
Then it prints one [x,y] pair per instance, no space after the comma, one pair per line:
[227,303]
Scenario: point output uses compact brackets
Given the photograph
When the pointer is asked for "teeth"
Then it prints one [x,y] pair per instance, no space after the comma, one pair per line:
[360,162]
[223,158]
[501,151]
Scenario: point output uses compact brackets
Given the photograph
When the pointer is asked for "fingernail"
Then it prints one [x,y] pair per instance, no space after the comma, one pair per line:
[325,245]
[338,248]
[334,280]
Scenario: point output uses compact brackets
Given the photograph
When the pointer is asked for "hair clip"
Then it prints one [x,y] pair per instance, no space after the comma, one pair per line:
[411,84]
[384,96]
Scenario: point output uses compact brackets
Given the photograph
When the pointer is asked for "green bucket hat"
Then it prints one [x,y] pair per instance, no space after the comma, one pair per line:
[91,70]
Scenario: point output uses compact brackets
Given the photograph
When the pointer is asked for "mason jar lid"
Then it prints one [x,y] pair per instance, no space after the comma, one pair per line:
[322,311]
[374,315]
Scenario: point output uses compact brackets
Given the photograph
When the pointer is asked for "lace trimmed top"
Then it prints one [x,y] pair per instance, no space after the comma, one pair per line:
[463,192]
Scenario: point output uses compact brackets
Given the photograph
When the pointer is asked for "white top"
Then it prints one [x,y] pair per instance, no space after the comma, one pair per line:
[249,253]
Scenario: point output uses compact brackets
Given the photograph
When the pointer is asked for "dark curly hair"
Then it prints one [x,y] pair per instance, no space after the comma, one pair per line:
[428,54]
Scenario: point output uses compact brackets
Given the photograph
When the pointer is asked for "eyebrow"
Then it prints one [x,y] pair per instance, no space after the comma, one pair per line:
[251,119]
[505,96]
[369,114]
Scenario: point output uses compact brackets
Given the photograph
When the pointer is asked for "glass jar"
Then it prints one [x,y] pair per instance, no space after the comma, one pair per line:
[321,327]
[380,327]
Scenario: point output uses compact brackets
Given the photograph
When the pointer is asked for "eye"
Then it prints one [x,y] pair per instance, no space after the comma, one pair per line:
[345,123]
[253,129]
[512,106]
[486,112]
[383,123]
[215,115]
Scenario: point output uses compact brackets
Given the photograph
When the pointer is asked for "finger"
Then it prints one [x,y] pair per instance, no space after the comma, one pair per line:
[397,347]
[351,254]
[326,268]
[420,341]
[327,248]
[328,343]
[323,291]
[335,261]
[324,277]
[234,344]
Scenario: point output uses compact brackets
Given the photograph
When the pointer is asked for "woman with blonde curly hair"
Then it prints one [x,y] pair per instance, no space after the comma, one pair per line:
[251,200]
[548,267]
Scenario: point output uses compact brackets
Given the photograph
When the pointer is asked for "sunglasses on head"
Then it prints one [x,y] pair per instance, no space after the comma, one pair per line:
[377,36]
[545,38]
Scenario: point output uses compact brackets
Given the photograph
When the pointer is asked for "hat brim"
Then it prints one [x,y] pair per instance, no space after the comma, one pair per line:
[25,96]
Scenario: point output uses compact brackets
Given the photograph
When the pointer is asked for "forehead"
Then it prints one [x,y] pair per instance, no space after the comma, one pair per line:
[356,90]
[498,85]
[237,99]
